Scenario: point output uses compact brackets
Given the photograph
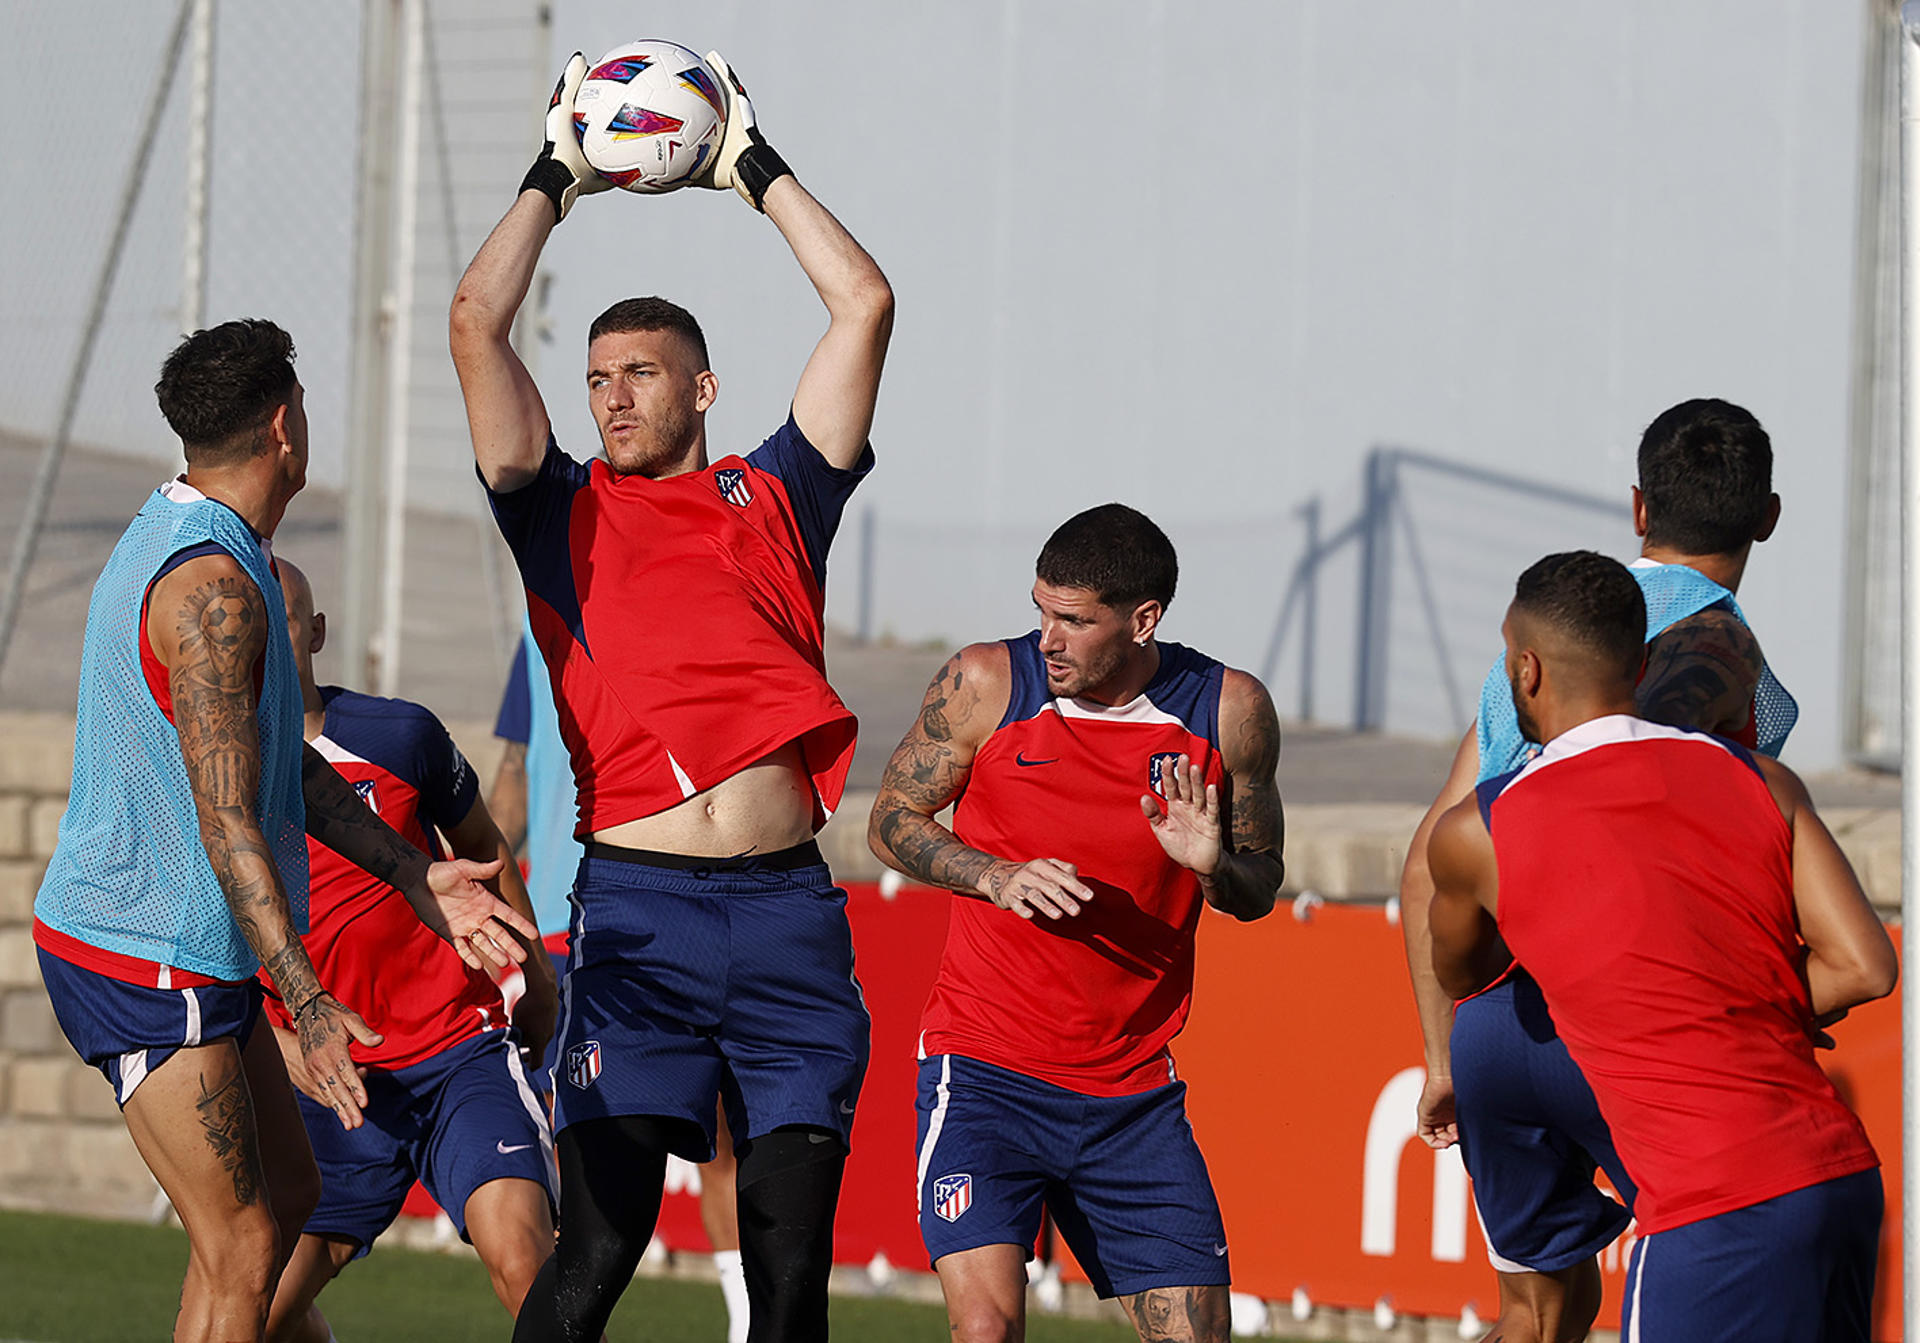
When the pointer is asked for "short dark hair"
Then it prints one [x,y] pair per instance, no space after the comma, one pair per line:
[1706,473]
[220,387]
[1113,551]
[649,314]
[1592,600]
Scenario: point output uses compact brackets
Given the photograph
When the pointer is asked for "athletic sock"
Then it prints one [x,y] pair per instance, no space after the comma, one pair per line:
[733,1289]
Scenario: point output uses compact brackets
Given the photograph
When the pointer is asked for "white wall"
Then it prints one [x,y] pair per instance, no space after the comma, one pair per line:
[1199,257]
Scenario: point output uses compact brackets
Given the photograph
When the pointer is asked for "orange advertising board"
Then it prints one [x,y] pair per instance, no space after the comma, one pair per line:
[1304,1063]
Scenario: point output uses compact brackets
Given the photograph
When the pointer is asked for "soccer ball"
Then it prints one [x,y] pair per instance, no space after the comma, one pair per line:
[649,115]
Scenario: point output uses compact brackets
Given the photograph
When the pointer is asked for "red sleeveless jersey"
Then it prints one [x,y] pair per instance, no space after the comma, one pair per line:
[1091,1002]
[682,620]
[1646,882]
[368,946]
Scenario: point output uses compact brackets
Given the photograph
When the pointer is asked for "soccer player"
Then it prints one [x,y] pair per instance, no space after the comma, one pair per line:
[1691,924]
[448,1099]
[181,867]
[1104,784]
[1498,1080]
[533,796]
[678,605]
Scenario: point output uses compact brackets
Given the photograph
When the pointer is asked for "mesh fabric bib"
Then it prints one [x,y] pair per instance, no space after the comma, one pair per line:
[129,873]
[1673,592]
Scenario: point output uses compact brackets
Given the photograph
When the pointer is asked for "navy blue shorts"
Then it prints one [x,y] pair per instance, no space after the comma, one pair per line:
[1122,1175]
[1796,1269]
[733,981]
[128,1030]
[461,1119]
[1531,1134]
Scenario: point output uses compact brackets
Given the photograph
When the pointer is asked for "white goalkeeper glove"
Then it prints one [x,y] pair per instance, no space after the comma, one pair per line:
[745,161]
[562,172]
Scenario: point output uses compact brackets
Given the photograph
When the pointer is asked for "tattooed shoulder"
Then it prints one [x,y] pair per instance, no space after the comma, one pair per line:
[1249,727]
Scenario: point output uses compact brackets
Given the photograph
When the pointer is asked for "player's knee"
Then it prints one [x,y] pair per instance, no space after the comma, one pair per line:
[513,1267]
[978,1319]
[241,1261]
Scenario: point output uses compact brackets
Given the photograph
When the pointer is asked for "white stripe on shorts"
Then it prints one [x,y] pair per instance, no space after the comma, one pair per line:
[535,1111]
[133,1071]
[193,1019]
[1501,1264]
[1632,1334]
[935,1122]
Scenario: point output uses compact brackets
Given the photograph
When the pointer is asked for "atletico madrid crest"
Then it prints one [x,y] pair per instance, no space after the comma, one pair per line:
[1159,765]
[583,1064]
[733,486]
[952,1195]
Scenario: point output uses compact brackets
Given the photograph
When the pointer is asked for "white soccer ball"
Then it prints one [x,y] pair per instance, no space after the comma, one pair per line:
[649,115]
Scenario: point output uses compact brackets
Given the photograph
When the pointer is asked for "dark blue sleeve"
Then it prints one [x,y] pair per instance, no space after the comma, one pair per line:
[446,781]
[819,490]
[515,721]
[533,519]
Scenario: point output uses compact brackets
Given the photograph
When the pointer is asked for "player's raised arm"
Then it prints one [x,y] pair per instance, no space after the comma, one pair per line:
[208,625]
[1467,952]
[1232,843]
[505,415]
[1434,1003]
[833,405]
[928,771]
[1850,958]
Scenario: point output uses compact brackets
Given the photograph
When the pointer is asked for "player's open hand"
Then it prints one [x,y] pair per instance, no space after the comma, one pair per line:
[327,1029]
[1436,1125]
[479,924]
[1187,820]
[1043,886]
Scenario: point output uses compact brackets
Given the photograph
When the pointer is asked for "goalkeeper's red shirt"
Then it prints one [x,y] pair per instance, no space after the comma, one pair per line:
[368,946]
[682,620]
[1646,882]
[1091,1002]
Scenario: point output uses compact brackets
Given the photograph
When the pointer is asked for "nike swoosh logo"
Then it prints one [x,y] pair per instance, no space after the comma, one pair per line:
[845,1109]
[1219,1250]
[1019,759]
[505,1150]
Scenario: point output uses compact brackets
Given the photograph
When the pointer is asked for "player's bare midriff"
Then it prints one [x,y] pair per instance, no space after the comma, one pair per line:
[765,807]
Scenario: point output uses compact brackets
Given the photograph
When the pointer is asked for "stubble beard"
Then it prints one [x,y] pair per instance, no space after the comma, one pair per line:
[661,445]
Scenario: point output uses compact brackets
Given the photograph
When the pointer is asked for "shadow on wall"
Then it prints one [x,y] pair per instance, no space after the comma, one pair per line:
[1438,546]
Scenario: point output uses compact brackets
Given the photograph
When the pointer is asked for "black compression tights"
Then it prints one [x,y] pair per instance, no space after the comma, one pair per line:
[789,1184]
[611,1173]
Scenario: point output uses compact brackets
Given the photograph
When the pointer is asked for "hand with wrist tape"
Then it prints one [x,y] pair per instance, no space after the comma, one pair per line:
[561,172]
[745,161]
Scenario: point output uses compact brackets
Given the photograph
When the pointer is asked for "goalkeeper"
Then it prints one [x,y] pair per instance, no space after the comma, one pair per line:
[677,598]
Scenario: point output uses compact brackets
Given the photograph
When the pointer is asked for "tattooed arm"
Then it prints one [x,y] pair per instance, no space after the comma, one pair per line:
[928,771]
[207,624]
[448,897]
[1230,839]
[1701,673]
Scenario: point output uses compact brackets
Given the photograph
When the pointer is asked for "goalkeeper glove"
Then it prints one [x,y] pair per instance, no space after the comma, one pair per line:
[745,161]
[562,172]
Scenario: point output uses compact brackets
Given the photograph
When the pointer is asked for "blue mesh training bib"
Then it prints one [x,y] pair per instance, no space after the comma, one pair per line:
[129,873]
[1673,592]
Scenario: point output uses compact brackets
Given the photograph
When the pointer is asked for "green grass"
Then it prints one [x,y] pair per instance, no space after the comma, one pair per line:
[68,1280]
